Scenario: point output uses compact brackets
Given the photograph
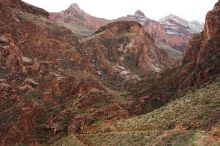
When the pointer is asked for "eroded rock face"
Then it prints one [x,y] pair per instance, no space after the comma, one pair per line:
[123,51]
[10,55]
[24,7]
[206,45]
[201,63]
[171,30]
[48,85]
[24,51]
[73,16]
[122,27]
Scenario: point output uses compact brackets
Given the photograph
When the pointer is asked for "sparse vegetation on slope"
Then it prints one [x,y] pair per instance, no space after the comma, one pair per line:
[190,120]
[68,141]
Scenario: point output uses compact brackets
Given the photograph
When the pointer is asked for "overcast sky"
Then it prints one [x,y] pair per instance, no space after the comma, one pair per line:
[155,9]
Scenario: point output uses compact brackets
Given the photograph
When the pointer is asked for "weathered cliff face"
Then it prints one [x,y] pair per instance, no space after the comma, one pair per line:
[200,65]
[24,7]
[202,54]
[45,91]
[125,52]
[30,51]
[77,20]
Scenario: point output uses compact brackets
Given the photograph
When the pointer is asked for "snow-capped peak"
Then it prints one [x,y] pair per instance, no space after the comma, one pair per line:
[173,24]
[139,13]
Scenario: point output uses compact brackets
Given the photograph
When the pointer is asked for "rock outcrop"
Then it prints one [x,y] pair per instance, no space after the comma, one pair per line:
[123,51]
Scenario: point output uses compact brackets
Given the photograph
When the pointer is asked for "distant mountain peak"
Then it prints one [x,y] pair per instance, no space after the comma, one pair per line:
[173,17]
[74,6]
[139,13]
[174,23]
